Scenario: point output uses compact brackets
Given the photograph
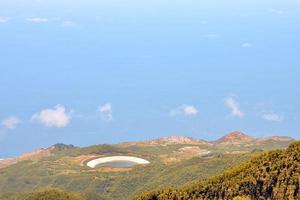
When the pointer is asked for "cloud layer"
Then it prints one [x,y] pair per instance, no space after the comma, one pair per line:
[57,117]
[233,105]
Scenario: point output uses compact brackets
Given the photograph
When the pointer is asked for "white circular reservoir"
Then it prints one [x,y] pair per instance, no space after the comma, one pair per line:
[117,161]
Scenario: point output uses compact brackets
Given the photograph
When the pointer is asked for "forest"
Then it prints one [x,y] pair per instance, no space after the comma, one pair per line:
[272,175]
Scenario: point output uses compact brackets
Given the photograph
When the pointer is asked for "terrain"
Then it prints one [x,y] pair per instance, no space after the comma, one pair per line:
[44,194]
[273,175]
[174,161]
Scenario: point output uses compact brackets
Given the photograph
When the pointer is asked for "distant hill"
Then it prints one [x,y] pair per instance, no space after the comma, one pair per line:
[174,161]
[170,140]
[35,155]
[273,175]
[275,139]
[235,138]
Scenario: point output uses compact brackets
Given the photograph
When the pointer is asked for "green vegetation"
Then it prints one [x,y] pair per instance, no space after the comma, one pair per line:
[44,194]
[97,184]
[170,167]
[242,198]
[273,175]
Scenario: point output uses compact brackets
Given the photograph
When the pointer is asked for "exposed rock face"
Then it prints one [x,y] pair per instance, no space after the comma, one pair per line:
[61,147]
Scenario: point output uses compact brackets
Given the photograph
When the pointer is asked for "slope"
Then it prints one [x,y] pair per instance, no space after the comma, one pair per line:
[273,175]
[174,161]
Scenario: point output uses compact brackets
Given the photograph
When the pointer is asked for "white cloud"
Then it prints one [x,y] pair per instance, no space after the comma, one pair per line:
[147,56]
[11,123]
[57,117]
[3,19]
[37,20]
[67,23]
[277,12]
[106,111]
[233,105]
[210,36]
[274,117]
[247,45]
[186,110]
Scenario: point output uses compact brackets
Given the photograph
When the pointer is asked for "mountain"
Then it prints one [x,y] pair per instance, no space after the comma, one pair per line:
[275,139]
[230,140]
[174,161]
[35,155]
[176,140]
[240,138]
[274,175]
[170,140]
[235,138]
[61,147]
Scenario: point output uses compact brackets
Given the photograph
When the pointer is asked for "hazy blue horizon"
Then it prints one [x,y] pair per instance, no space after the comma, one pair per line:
[112,71]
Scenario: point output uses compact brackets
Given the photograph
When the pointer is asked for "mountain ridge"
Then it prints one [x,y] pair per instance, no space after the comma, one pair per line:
[234,138]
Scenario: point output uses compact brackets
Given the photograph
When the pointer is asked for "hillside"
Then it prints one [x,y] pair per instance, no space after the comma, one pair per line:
[235,138]
[240,138]
[35,155]
[273,175]
[174,161]
[44,194]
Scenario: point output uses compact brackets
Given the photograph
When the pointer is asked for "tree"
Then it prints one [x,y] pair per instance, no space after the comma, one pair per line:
[52,194]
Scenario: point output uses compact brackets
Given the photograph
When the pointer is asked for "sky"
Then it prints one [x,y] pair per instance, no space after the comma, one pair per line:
[90,72]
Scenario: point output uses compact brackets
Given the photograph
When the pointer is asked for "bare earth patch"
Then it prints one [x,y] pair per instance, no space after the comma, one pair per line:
[184,153]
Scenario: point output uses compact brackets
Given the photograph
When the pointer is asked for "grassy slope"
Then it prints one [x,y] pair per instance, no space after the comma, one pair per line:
[44,194]
[61,171]
[273,175]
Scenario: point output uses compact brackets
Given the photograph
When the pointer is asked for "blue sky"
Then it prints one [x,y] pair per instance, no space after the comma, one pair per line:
[89,72]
